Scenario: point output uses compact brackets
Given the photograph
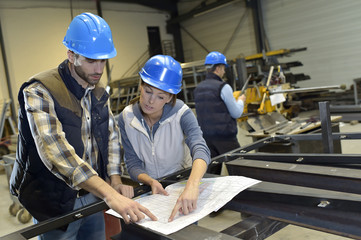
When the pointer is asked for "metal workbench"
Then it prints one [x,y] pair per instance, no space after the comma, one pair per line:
[320,191]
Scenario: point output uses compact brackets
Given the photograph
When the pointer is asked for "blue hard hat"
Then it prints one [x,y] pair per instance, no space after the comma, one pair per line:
[215,58]
[163,72]
[89,35]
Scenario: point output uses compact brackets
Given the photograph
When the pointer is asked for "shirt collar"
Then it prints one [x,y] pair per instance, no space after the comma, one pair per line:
[72,85]
[213,76]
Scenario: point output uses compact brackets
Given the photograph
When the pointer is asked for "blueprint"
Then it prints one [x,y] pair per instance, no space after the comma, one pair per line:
[214,193]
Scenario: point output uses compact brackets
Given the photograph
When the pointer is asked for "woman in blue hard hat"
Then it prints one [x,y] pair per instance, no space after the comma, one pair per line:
[160,134]
[69,143]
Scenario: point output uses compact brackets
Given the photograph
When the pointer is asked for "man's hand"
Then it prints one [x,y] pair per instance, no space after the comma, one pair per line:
[130,210]
[125,190]
[186,203]
[242,97]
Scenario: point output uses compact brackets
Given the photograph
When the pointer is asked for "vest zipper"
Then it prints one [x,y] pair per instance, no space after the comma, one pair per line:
[152,140]
[150,137]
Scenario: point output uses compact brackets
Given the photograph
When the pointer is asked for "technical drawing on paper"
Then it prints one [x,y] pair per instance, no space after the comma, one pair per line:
[214,193]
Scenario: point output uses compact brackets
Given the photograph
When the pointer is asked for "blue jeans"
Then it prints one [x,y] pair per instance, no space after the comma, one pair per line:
[91,227]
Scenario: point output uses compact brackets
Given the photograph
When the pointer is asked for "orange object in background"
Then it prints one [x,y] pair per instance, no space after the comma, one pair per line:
[112,226]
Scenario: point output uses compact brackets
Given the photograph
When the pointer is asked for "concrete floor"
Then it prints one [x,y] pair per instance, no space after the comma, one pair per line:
[227,218]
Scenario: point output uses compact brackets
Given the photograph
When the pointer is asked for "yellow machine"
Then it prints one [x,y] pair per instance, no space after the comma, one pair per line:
[254,100]
[257,96]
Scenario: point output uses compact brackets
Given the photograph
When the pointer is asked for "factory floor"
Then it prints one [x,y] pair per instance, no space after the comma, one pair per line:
[225,219]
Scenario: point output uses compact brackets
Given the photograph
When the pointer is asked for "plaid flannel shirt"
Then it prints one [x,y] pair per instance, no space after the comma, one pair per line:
[53,148]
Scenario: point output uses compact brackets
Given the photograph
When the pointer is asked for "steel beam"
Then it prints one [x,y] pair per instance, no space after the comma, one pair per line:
[199,11]
[329,178]
[326,125]
[337,213]
[7,76]
[341,217]
[254,227]
[51,224]
[136,232]
[349,160]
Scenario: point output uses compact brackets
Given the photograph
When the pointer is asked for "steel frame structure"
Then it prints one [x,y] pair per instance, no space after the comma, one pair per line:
[318,191]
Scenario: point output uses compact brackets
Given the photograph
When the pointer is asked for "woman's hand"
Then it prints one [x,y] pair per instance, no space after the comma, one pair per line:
[158,188]
[187,202]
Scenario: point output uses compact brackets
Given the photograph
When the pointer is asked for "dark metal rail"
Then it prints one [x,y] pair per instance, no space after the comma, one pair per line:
[341,217]
[51,224]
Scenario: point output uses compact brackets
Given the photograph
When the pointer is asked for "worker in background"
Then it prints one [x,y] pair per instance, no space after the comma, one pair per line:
[217,109]
[69,143]
[161,135]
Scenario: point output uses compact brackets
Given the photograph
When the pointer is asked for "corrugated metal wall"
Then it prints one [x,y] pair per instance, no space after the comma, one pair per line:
[214,30]
[331,31]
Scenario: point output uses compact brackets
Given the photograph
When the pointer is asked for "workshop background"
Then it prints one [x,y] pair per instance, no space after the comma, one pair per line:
[323,36]
[32,32]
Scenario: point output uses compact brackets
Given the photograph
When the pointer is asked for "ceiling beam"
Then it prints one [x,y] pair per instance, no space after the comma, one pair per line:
[164,5]
[204,8]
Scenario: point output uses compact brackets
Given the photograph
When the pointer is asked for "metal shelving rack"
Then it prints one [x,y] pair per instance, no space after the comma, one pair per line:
[125,89]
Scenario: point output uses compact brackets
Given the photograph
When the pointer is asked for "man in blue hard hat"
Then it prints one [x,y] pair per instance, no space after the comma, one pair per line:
[217,110]
[69,143]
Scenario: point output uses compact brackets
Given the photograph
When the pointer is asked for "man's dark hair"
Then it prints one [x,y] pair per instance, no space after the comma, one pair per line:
[212,68]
